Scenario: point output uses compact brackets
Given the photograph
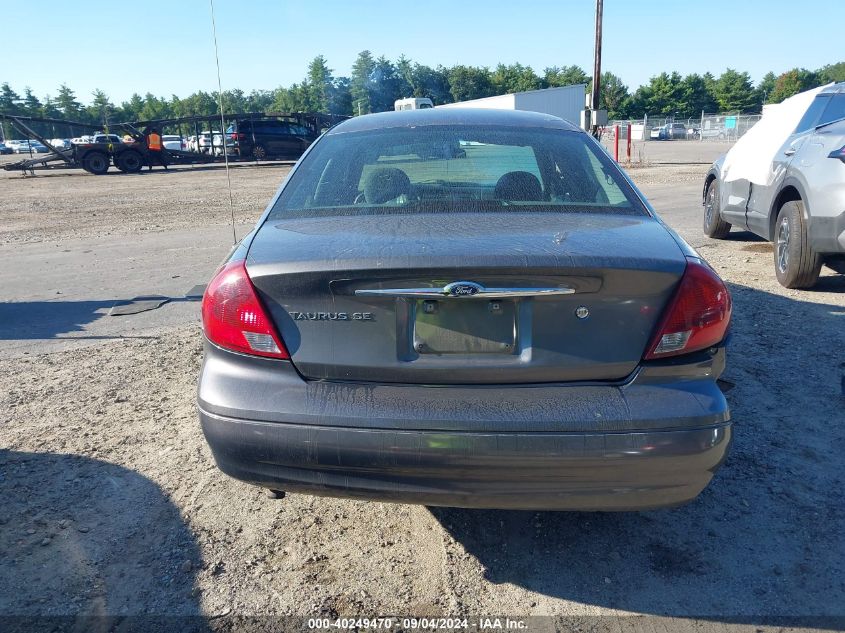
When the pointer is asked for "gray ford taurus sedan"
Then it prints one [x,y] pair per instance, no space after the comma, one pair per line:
[466,308]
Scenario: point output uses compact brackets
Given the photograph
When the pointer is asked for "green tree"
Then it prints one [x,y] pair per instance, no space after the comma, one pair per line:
[259,101]
[470,82]
[66,102]
[405,74]
[662,96]
[514,78]
[293,99]
[556,76]
[361,82]
[10,101]
[385,86]
[432,83]
[31,105]
[200,104]
[766,87]
[132,109]
[318,85]
[340,97]
[792,82]
[49,109]
[233,101]
[101,109]
[697,96]
[154,108]
[613,96]
[734,93]
[831,73]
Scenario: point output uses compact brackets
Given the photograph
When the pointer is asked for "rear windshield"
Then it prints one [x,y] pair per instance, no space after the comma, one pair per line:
[813,113]
[835,109]
[455,169]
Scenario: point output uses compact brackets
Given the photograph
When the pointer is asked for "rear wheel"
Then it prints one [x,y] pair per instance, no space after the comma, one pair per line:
[714,225]
[796,265]
[96,162]
[130,162]
[259,152]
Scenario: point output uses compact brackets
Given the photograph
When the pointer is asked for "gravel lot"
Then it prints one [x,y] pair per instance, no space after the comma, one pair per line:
[112,503]
[55,206]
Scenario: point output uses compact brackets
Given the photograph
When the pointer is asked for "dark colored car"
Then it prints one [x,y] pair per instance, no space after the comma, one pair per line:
[672,131]
[4,149]
[509,326]
[271,138]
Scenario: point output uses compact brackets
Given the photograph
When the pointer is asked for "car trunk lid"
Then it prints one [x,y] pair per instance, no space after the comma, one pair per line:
[468,298]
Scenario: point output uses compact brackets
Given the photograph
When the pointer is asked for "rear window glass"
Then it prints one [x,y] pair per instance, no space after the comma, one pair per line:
[812,114]
[268,127]
[455,169]
[835,110]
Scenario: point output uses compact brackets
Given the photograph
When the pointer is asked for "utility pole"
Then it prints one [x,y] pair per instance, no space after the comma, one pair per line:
[594,103]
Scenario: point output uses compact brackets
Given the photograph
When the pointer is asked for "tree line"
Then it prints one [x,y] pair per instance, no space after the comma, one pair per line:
[376,82]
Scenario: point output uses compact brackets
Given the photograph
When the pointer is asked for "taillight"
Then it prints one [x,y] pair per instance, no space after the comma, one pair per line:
[696,318]
[838,153]
[233,317]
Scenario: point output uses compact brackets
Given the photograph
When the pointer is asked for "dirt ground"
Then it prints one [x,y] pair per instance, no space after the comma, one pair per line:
[112,503]
[52,206]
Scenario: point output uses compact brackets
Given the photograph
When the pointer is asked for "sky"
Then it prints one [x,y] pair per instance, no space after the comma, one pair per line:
[166,47]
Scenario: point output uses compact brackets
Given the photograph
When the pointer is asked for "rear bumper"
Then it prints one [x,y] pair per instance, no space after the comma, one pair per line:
[654,441]
[552,471]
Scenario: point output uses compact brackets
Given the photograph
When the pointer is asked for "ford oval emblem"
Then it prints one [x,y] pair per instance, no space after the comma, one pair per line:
[463,289]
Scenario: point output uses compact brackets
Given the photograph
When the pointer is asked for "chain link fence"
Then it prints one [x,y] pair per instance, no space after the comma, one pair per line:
[707,127]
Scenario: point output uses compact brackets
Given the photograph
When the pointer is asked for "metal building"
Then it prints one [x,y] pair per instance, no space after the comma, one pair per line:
[566,102]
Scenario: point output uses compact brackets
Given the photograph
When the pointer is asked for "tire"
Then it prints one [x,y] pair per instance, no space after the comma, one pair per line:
[259,152]
[130,162]
[96,162]
[796,265]
[714,225]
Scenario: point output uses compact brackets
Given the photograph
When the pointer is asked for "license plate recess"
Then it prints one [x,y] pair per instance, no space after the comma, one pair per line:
[465,326]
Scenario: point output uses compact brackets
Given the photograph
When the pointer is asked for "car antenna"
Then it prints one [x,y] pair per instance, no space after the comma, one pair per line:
[222,123]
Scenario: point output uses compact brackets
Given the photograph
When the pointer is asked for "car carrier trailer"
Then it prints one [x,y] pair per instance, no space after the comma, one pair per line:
[97,158]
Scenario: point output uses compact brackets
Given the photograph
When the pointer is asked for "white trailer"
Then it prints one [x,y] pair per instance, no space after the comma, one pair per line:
[566,102]
[412,103]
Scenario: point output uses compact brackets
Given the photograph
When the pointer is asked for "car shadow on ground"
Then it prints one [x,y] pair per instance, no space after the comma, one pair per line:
[22,320]
[829,283]
[87,543]
[744,236]
[763,540]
